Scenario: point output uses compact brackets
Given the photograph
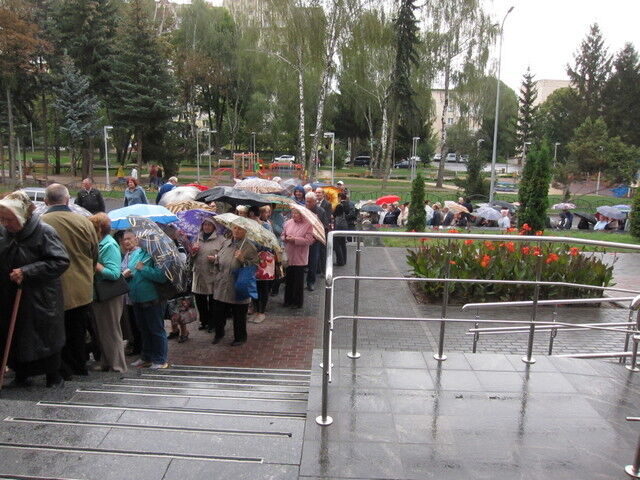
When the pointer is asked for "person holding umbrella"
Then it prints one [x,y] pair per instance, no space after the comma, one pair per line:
[32,257]
[297,236]
[234,253]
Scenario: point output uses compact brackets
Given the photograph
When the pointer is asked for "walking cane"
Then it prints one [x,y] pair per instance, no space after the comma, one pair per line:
[12,325]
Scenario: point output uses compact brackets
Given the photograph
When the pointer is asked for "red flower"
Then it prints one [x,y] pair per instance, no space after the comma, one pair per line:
[525,250]
[539,233]
[536,252]
[574,251]
[468,242]
[424,239]
[489,245]
[552,257]
[453,230]
[452,262]
[526,227]
[510,246]
[485,260]
[511,229]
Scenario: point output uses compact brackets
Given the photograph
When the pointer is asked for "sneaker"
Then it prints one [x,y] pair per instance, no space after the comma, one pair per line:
[140,363]
[158,366]
[252,318]
[259,318]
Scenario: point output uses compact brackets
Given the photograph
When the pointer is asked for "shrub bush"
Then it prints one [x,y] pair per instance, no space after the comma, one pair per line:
[507,260]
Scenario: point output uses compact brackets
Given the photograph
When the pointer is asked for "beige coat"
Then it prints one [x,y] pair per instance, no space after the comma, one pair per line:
[224,277]
[81,241]
[203,269]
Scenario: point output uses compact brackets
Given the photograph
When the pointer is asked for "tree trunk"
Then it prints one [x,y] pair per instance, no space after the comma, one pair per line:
[1,160]
[302,146]
[45,135]
[85,171]
[139,156]
[443,124]
[56,141]
[12,152]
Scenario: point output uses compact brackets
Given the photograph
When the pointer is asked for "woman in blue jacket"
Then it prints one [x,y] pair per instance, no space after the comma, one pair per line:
[143,276]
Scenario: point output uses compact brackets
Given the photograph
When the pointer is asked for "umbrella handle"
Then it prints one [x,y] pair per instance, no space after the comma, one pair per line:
[12,325]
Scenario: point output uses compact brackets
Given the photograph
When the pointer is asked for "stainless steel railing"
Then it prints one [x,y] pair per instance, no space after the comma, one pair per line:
[329,318]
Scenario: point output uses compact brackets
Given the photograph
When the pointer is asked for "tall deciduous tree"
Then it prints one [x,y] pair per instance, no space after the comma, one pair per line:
[534,188]
[526,109]
[622,97]
[589,73]
[143,89]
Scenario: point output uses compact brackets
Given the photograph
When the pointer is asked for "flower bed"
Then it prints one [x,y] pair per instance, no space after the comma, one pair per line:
[506,260]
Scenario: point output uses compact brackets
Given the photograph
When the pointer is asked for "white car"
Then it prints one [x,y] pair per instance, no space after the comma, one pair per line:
[451,157]
[285,158]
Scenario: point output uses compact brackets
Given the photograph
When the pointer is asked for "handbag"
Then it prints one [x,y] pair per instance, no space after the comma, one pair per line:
[108,289]
[245,283]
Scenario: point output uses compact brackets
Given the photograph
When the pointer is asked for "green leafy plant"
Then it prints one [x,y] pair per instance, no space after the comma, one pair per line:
[508,260]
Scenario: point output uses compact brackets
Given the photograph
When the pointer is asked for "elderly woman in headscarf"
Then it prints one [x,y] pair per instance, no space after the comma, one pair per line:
[32,257]
[297,235]
[235,252]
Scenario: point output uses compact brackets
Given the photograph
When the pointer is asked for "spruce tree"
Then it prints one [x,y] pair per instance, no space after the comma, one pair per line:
[634,216]
[476,183]
[588,75]
[142,86]
[526,109]
[534,188]
[417,217]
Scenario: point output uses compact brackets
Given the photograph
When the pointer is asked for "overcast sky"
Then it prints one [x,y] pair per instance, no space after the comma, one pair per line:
[544,34]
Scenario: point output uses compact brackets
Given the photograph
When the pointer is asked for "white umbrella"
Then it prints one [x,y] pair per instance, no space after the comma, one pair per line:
[487,212]
[258,185]
[179,194]
[611,212]
[255,231]
[456,207]
[564,206]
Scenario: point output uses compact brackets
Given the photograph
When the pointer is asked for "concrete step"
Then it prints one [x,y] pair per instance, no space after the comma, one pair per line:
[241,379]
[218,385]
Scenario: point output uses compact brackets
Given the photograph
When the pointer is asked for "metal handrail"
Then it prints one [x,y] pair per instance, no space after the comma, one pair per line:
[565,301]
[329,318]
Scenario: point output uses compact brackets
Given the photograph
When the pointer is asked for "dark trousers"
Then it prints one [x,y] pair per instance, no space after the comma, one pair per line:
[204,303]
[74,352]
[294,286]
[239,313]
[322,257]
[154,337]
[50,366]
[275,286]
[312,266]
[130,330]
[263,287]
[340,247]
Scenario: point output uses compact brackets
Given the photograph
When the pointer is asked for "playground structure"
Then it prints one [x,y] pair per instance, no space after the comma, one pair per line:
[250,165]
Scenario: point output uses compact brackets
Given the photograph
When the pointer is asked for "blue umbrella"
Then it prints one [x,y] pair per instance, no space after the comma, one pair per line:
[315,185]
[190,222]
[156,213]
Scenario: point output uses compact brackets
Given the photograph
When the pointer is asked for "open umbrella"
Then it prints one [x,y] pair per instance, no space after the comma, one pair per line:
[487,212]
[258,185]
[190,205]
[388,199]
[255,231]
[623,208]
[190,222]
[370,207]
[179,194]
[312,218]
[587,216]
[201,188]
[155,213]
[611,212]
[42,208]
[161,248]
[564,206]
[277,199]
[331,194]
[501,204]
[455,207]
[230,195]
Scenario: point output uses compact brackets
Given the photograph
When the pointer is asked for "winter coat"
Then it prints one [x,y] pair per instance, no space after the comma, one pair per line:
[142,285]
[134,197]
[224,279]
[91,200]
[203,269]
[81,242]
[39,252]
[302,235]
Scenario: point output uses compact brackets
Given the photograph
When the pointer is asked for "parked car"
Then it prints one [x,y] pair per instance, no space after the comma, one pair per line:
[362,161]
[36,194]
[451,157]
[285,158]
[402,164]
[437,157]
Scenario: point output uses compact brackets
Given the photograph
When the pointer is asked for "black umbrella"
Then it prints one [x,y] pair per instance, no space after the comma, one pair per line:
[371,207]
[587,216]
[502,204]
[231,196]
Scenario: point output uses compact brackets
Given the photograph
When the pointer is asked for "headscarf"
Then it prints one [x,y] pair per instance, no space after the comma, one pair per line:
[19,204]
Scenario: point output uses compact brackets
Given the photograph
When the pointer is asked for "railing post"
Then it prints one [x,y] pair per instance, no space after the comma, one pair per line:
[476,335]
[356,305]
[440,356]
[634,470]
[528,358]
[623,360]
[554,331]
[636,337]
[325,419]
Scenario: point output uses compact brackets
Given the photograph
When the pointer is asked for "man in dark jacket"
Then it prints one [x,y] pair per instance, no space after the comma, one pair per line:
[90,198]
[32,257]
[167,187]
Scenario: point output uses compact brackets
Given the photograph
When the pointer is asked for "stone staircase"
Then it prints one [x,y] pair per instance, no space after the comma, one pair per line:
[181,423]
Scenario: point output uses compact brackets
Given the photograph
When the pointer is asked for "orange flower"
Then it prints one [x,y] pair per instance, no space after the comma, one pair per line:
[452,262]
[453,230]
[510,246]
[468,242]
[536,252]
[525,250]
[489,245]
[526,227]
[574,251]
[539,233]
[552,257]
[511,229]
[485,260]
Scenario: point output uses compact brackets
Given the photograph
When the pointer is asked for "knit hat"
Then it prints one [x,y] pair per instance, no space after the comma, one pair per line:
[19,204]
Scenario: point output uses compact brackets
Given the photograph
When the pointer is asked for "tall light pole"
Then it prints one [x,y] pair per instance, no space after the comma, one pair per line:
[332,135]
[555,152]
[209,131]
[414,155]
[198,155]
[106,153]
[494,153]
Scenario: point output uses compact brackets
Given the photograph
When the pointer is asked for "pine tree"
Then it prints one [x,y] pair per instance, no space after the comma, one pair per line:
[142,85]
[527,111]
[534,188]
[622,97]
[417,217]
[78,109]
[590,71]
[588,149]
[634,216]
[476,183]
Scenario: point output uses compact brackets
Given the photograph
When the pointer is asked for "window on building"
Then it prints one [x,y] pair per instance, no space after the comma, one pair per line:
[450,121]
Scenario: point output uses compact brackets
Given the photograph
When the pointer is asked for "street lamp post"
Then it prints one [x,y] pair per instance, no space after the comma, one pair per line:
[253,139]
[106,154]
[555,152]
[494,153]
[332,135]
[414,154]
[198,155]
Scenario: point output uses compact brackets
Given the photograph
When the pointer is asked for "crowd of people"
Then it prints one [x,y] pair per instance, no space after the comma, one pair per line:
[81,280]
